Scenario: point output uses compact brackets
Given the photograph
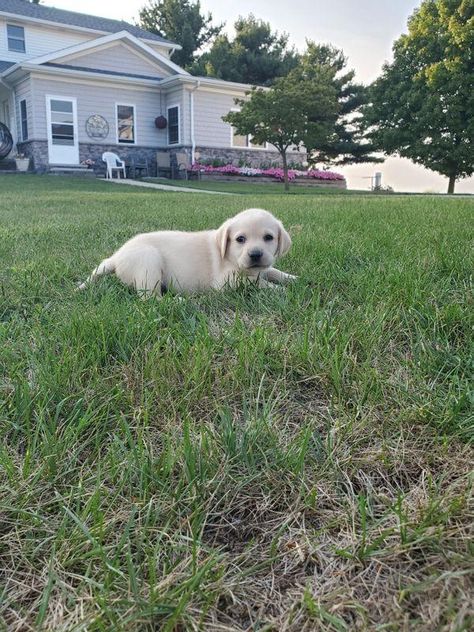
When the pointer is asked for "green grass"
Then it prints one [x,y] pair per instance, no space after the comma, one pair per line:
[252,188]
[244,460]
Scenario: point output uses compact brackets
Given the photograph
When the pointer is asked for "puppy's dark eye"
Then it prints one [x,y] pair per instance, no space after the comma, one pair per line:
[268,238]
[240,239]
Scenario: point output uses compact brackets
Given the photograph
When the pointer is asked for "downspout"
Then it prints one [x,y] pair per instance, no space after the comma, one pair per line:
[193,138]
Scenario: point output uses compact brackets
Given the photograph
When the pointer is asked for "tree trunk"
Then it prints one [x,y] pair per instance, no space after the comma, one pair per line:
[285,170]
[452,182]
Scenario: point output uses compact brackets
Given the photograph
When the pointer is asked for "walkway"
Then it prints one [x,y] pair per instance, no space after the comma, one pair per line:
[164,187]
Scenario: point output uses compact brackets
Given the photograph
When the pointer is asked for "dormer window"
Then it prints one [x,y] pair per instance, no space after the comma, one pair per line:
[16,38]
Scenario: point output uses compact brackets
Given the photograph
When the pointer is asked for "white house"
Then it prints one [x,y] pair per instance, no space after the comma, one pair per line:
[73,86]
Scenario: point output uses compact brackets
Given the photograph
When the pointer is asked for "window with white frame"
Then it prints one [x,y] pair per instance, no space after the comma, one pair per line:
[16,38]
[24,120]
[126,124]
[237,140]
[173,125]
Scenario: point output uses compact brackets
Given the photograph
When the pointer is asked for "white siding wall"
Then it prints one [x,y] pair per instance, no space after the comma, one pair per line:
[117,58]
[39,40]
[209,108]
[98,98]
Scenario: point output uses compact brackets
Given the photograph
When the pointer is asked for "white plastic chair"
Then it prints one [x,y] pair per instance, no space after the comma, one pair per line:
[113,163]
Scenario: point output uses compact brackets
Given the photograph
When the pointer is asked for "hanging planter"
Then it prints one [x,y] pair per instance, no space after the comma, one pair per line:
[161,122]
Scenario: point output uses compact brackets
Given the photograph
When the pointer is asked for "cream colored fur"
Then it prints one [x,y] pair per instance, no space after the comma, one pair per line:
[195,261]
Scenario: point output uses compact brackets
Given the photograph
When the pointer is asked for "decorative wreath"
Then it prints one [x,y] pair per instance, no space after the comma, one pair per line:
[97,126]
[6,141]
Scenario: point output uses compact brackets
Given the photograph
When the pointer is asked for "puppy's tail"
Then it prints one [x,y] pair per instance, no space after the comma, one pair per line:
[107,266]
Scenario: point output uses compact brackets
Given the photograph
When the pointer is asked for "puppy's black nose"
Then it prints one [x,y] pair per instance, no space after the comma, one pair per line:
[255,255]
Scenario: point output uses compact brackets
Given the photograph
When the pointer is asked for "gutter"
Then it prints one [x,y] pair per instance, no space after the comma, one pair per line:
[191,103]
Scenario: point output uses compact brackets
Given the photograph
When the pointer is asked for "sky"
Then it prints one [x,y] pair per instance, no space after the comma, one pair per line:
[364,29]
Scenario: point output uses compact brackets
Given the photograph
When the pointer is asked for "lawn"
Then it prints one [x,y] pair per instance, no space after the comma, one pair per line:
[253,188]
[246,460]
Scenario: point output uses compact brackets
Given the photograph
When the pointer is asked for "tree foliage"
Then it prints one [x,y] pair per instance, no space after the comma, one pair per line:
[292,112]
[347,143]
[180,21]
[422,106]
[256,55]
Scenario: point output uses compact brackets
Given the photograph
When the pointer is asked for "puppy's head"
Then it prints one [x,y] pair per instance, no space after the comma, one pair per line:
[252,240]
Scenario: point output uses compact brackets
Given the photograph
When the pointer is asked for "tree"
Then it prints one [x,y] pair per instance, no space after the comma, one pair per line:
[291,112]
[422,106]
[180,21]
[347,143]
[256,55]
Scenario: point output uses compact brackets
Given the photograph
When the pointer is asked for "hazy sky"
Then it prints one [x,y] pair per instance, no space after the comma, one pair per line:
[364,29]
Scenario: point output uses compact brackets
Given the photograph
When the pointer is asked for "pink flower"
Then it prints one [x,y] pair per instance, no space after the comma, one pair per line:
[274,172]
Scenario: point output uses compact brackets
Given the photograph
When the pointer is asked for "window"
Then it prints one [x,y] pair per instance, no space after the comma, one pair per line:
[24,120]
[16,38]
[245,141]
[62,122]
[126,124]
[173,125]
[239,141]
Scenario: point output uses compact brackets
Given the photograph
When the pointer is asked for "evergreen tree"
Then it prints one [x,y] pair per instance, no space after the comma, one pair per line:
[180,21]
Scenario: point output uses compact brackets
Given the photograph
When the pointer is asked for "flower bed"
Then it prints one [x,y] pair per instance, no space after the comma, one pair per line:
[249,174]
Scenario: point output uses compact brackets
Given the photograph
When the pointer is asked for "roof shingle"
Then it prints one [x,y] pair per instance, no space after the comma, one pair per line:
[42,12]
[5,64]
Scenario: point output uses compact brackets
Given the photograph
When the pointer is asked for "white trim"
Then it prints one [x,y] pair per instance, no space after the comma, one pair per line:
[107,39]
[210,84]
[73,100]
[71,75]
[127,105]
[168,108]
[72,27]
[193,136]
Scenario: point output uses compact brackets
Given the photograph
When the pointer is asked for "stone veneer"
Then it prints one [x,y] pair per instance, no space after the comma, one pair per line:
[37,150]
[257,158]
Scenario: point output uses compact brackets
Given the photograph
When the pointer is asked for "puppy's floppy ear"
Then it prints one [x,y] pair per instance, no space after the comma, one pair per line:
[222,237]
[284,241]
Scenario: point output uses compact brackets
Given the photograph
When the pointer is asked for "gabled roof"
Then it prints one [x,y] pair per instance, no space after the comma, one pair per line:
[100,42]
[81,20]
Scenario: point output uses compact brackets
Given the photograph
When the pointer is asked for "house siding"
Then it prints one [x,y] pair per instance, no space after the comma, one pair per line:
[23,90]
[209,108]
[39,39]
[118,58]
[93,98]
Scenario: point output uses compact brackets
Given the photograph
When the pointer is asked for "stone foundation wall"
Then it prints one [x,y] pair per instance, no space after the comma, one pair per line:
[37,150]
[129,153]
[303,182]
[255,158]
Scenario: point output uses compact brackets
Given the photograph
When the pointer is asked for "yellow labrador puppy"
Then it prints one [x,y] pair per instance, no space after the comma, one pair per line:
[245,245]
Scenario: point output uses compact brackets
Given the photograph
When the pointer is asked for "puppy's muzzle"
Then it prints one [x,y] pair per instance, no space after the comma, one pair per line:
[255,256]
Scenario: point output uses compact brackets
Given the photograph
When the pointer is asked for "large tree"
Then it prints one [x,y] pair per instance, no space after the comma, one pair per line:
[422,106]
[294,111]
[256,55]
[347,143]
[180,21]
